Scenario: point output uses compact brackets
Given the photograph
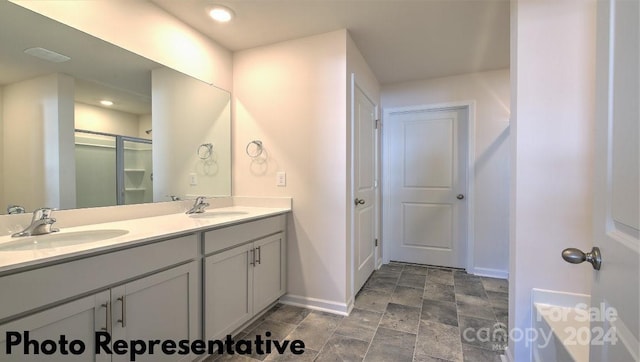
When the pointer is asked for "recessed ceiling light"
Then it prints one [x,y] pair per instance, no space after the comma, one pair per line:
[221,13]
[106,102]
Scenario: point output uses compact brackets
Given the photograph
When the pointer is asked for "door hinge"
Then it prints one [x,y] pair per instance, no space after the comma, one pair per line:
[375,242]
[377,123]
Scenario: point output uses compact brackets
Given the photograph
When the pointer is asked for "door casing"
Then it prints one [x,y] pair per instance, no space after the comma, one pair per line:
[470,158]
[377,222]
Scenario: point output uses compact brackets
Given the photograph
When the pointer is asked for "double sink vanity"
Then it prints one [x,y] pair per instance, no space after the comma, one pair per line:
[168,277]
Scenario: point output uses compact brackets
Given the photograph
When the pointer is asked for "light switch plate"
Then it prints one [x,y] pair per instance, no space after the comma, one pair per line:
[193,179]
[281,179]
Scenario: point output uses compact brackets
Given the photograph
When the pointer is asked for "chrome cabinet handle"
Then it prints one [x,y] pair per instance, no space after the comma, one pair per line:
[107,326]
[123,321]
[358,201]
[577,256]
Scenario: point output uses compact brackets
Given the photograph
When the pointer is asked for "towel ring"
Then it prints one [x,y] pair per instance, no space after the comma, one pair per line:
[205,150]
[257,150]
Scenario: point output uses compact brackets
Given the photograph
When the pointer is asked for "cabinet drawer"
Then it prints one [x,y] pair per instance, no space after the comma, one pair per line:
[37,288]
[225,238]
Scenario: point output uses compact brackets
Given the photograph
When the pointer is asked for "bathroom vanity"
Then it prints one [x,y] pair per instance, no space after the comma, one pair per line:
[171,277]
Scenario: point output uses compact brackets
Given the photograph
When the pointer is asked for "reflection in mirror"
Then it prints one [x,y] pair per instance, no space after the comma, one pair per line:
[55,134]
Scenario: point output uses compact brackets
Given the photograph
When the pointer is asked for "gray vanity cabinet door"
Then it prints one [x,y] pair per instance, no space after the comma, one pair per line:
[76,320]
[228,280]
[269,272]
[162,306]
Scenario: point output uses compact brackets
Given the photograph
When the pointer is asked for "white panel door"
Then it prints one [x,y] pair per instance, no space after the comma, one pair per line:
[425,205]
[364,203]
[616,221]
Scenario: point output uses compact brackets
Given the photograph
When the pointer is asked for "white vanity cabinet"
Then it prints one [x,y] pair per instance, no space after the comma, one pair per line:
[146,292]
[244,272]
[76,320]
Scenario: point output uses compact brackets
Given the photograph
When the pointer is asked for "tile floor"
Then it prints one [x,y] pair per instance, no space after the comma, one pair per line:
[403,313]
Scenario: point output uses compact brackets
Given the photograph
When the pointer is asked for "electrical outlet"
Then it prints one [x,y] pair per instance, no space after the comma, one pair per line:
[193,179]
[281,179]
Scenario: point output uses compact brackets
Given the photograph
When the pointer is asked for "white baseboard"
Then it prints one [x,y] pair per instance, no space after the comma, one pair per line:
[491,273]
[318,304]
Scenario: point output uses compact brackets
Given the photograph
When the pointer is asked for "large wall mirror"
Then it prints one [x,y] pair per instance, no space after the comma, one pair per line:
[84,123]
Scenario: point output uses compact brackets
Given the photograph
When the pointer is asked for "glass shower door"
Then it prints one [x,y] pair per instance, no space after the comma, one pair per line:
[95,170]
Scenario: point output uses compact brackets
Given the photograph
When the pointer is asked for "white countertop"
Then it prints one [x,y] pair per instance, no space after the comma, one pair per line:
[138,231]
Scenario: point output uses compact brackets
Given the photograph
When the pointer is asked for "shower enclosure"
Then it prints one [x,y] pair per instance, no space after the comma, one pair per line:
[112,169]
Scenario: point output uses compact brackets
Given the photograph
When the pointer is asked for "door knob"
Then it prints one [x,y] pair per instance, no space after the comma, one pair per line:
[460,197]
[577,256]
[358,201]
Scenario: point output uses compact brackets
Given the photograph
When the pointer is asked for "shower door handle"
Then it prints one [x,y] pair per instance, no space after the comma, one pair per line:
[577,256]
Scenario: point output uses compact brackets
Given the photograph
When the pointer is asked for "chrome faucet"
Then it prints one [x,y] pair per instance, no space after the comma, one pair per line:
[40,223]
[15,209]
[198,206]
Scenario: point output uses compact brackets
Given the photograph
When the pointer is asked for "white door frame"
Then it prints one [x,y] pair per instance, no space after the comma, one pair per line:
[470,106]
[377,224]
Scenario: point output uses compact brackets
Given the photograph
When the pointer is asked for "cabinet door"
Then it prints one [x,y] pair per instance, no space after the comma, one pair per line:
[76,320]
[228,282]
[161,306]
[269,275]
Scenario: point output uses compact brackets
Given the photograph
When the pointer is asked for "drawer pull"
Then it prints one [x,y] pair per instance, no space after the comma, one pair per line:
[107,326]
[123,321]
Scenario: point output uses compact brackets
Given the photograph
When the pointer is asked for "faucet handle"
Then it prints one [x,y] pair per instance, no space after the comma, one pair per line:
[42,213]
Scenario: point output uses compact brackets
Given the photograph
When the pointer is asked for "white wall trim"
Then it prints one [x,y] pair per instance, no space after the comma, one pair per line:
[470,105]
[491,273]
[322,305]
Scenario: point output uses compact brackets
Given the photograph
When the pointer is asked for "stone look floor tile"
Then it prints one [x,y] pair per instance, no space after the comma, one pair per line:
[316,329]
[407,296]
[437,291]
[373,300]
[481,333]
[438,340]
[391,345]
[498,299]
[412,280]
[469,286]
[495,285]
[440,276]
[383,283]
[475,354]
[416,269]
[308,355]
[360,324]
[277,330]
[288,314]
[474,307]
[438,311]
[340,348]
[401,318]
[405,312]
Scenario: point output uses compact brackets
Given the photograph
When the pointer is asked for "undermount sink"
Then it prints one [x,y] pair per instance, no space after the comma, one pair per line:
[56,240]
[210,214]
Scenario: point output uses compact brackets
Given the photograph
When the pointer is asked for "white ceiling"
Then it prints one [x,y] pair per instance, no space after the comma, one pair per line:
[102,70]
[401,40]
